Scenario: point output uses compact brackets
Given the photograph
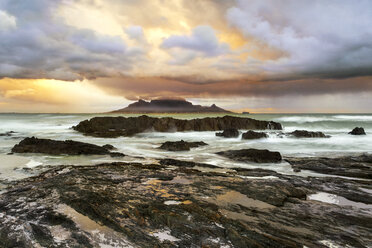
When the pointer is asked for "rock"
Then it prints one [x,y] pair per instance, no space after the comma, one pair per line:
[229,133]
[254,135]
[122,126]
[185,164]
[349,166]
[109,147]
[358,131]
[181,145]
[148,205]
[10,133]
[308,134]
[117,154]
[56,147]
[252,155]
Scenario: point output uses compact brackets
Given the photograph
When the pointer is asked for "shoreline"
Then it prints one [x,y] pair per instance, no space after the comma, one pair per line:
[223,193]
[237,198]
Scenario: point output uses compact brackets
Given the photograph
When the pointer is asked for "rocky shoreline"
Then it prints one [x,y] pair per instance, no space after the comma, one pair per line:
[177,203]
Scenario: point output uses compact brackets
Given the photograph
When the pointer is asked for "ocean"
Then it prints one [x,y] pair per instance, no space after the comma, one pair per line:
[144,147]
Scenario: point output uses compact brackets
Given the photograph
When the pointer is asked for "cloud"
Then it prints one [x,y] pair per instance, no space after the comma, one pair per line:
[321,38]
[155,87]
[202,40]
[42,45]
[7,21]
[136,33]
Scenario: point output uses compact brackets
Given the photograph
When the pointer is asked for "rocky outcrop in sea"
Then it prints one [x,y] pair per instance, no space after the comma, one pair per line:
[110,127]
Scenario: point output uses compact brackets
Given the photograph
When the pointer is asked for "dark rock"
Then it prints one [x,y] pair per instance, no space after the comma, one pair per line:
[187,164]
[229,133]
[254,135]
[308,134]
[109,147]
[116,154]
[122,126]
[56,147]
[348,166]
[169,106]
[181,145]
[136,205]
[10,133]
[358,131]
[252,155]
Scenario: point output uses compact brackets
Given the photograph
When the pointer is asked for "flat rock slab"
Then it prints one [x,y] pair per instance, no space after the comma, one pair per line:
[122,126]
[138,205]
[181,145]
[308,134]
[252,155]
[57,147]
[349,166]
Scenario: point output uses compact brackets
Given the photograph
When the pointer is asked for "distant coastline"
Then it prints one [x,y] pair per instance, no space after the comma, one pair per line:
[168,106]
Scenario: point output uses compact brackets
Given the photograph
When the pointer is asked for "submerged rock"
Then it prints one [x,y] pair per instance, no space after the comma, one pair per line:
[122,126]
[10,133]
[308,134]
[181,145]
[349,166]
[57,147]
[138,205]
[252,155]
[358,131]
[229,133]
[254,135]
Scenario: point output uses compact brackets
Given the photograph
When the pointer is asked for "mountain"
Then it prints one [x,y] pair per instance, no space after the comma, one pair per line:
[169,106]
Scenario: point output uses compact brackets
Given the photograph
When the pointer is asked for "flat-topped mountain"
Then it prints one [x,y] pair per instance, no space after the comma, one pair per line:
[169,106]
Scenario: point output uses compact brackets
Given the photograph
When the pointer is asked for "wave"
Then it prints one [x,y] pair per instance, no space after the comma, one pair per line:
[354,117]
[303,119]
[333,118]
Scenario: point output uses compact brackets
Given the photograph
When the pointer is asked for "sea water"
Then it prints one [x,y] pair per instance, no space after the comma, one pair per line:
[145,145]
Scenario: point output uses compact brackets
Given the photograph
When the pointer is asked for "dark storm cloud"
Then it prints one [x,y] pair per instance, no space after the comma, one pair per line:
[321,38]
[148,88]
[38,44]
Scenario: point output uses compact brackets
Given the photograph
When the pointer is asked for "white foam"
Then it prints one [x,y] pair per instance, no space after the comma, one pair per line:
[338,200]
[32,163]
[172,202]
[164,235]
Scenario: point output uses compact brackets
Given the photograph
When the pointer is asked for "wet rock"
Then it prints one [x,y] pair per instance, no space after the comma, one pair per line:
[252,155]
[122,126]
[358,131]
[254,135]
[109,147]
[138,205]
[181,145]
[308,134]
[56,147]
[229,133]
[181,163]
[10,133]
[349,166]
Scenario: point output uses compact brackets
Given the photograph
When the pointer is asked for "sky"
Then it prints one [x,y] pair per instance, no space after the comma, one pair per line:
[266,56]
